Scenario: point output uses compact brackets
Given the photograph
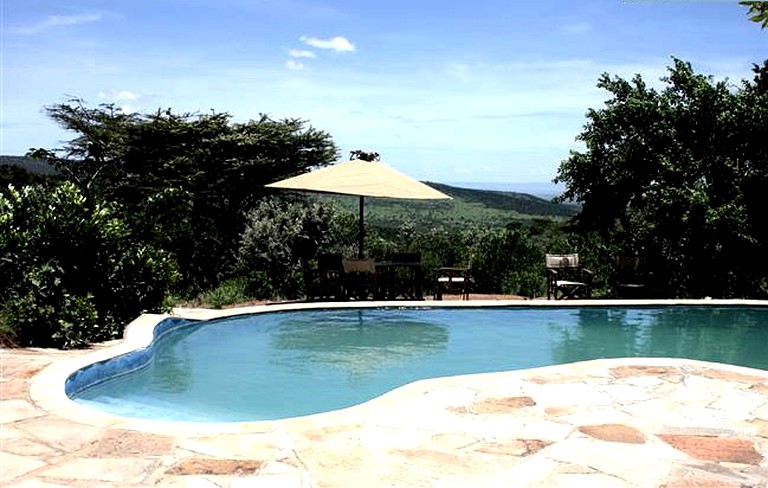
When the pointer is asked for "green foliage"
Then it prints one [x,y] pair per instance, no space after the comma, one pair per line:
[673,175]
[758,12]
[229,292]
[439,248]
[43,313]
[468,208]
[73,273]
[7,333]
[183,180]
[506,261]
[280,239]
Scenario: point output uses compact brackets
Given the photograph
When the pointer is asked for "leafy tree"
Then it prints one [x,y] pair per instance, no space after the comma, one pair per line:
[674,175]
[72,272]
[185,179]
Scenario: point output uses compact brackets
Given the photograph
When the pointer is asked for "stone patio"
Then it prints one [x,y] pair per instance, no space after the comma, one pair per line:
[603,423]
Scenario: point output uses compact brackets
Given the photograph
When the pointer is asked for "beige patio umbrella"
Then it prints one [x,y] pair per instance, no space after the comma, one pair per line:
[364,176]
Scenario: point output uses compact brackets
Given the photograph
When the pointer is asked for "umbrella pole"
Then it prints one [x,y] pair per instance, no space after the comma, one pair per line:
[361,229]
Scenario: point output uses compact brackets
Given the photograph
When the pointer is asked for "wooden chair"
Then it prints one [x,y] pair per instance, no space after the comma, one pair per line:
[565,278]
[359,278]
[326,281]
[453,280]
[631,278]
[401,276]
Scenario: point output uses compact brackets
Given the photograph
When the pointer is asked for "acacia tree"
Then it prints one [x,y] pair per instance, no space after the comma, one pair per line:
[675,175]
[185,180]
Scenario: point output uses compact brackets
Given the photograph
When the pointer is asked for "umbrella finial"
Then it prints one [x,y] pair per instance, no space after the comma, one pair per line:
[364,155]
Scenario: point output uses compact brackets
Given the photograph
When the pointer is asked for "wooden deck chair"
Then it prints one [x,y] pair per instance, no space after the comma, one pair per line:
[565,278]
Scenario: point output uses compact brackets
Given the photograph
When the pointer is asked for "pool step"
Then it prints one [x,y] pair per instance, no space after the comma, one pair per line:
[158,409]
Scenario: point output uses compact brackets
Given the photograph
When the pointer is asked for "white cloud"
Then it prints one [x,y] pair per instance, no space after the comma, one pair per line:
[338,43]
[294,65]
[57,21]
[299,53]
[126,95]
[121,95]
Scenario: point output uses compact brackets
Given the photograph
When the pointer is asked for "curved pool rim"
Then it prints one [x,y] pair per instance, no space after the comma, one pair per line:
[48,388]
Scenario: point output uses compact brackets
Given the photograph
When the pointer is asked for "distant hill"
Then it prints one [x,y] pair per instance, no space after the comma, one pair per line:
[521,203]
[542,189]
[34,166]
[469,208]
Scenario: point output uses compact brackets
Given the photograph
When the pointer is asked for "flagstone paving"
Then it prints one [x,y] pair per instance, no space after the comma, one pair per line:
[604,423]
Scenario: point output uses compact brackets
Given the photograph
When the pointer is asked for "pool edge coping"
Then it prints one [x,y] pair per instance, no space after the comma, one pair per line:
[47,388]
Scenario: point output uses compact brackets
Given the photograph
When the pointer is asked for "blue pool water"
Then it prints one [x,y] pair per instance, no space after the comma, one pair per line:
[286,364]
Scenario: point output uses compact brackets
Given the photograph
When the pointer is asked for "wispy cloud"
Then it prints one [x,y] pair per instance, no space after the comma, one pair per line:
[53,21]
[294,65]
[338,43]
[300,53]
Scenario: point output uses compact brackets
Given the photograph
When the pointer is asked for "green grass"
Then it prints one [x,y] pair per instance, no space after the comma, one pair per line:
[229,292]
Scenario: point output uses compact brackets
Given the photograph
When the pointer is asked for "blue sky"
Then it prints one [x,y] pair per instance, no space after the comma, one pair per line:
[472,91]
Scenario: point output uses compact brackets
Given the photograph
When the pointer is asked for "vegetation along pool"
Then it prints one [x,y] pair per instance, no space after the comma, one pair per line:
[287,364]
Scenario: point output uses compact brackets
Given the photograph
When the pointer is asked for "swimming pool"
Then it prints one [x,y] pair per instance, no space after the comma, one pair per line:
[287,364]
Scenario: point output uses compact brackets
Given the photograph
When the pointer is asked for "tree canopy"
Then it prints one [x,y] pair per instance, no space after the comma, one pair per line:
[184,180]
[678,174]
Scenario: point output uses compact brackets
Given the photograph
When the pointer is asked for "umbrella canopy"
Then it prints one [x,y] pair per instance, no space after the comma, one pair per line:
[364,177]
[361,178]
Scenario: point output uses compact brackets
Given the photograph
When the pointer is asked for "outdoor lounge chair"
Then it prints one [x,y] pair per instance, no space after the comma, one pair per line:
[565,278]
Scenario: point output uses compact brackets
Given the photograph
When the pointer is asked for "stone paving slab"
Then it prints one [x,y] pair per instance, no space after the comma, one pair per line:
[604,423]
[15,466]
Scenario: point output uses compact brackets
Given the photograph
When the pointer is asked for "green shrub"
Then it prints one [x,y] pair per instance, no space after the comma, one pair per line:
[44,313]
[507,261]
[230,292]
[73,273]
[279,240]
